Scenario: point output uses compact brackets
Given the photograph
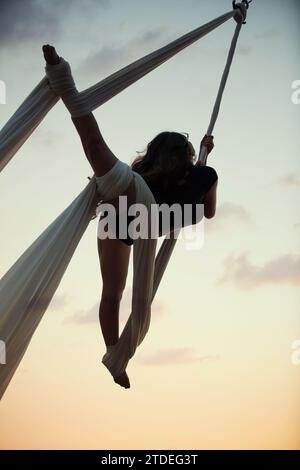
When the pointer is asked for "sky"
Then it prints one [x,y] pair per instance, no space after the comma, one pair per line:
[215,370]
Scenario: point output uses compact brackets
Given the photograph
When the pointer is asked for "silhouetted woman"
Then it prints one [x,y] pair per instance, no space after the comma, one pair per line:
[169,171]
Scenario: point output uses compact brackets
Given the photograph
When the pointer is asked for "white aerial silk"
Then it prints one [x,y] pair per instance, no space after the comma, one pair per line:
[28,287]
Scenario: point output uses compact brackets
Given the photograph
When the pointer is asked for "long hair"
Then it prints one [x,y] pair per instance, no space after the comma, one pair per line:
[165,160]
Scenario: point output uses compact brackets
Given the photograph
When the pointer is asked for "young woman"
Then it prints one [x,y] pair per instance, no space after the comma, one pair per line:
[168,170]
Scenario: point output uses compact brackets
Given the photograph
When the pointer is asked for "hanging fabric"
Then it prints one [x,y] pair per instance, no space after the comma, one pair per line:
[32,111]
[28,287]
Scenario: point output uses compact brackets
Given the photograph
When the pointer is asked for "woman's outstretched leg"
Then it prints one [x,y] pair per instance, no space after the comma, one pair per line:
[102,160]
[58,71]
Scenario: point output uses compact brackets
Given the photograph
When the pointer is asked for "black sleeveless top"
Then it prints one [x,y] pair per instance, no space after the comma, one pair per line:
[189,189]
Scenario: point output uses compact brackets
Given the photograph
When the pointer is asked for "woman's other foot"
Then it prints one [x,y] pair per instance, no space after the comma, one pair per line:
[123,380]
[50,54]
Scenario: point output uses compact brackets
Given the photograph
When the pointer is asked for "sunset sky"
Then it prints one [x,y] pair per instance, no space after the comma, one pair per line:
[215,369]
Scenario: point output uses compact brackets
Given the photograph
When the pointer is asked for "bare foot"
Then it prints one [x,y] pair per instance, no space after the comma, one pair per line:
[50,54]
[123,380]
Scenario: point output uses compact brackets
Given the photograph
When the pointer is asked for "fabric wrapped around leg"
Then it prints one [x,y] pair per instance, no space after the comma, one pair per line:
[62,82]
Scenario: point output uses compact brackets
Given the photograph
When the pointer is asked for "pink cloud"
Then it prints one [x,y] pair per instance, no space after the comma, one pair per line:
[91,316]
[282,270]
[59,301]
[290,180]
[174,356]
[227,214]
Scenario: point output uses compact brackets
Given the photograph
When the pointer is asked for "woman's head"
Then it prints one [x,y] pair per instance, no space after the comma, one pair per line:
[166,157]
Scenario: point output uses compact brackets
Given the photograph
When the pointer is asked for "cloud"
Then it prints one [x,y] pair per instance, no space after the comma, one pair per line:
[268,34]
[282,270]
[115,56]
[29,20]
[290,180]
[92,315]
[21,20]
[244,50]
[176,356]
[82,317]
[47,138]
[59,301]
[227,214]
